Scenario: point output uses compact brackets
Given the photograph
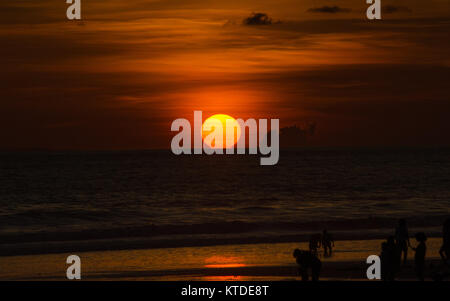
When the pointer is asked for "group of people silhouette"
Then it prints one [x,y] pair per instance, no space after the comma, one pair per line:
[309,260]
[394,253]
[324,240]
[396,246]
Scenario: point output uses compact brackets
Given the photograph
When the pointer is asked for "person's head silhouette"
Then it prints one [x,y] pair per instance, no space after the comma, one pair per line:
[391,240]
[421,237]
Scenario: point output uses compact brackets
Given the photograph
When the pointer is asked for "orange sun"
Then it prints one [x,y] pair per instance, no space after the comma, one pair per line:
[213,124]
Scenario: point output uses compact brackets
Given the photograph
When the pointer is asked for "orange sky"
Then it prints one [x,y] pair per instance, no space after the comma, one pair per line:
[117,79]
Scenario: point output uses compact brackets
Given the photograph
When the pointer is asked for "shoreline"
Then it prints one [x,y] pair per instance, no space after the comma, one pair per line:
[139,243]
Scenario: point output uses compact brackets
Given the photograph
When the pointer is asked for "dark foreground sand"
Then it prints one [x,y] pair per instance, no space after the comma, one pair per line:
[272,261]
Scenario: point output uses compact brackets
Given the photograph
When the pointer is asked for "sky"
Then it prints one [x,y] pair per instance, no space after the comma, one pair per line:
[120,76]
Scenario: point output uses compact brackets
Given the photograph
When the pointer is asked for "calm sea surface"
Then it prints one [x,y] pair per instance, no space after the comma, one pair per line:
[107,192]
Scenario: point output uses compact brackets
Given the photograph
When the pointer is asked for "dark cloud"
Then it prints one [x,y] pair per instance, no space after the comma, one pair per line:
[295,136]
[329,9]
[258,19]
[390,9]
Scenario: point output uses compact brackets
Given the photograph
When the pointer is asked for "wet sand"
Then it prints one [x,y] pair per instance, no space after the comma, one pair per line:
[272,261]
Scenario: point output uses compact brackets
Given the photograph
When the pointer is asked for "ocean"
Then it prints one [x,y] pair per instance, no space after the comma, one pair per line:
[183,200]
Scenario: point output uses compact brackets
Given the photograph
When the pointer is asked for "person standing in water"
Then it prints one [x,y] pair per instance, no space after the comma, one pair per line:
[327,243]
[402,239]
[314,243]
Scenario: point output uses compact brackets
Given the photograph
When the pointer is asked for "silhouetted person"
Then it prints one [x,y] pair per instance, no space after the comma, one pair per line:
[402,239]
[314,243]
[306,260]
[395,251]
[444,251]
[419,258]
[385,267]
[389,259]
[327,243]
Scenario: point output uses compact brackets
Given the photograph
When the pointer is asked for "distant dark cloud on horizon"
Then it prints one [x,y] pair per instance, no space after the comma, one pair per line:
[390,9]
[258,19]
[329,9]
[295,136]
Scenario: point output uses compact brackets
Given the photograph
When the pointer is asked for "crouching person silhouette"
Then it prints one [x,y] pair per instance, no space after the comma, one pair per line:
[308,261]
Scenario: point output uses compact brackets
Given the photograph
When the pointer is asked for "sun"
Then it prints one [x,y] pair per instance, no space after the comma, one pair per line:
[213,123]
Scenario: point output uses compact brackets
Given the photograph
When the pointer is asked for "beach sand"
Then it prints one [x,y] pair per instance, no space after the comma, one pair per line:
[272,261]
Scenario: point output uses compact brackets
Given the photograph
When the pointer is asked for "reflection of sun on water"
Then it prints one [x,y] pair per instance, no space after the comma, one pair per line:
[225,265]
[224,278]
[213,123]
[224,262]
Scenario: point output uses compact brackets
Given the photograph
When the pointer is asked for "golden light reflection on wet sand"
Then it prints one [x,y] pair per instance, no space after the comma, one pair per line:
[224,262]
[272,261]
